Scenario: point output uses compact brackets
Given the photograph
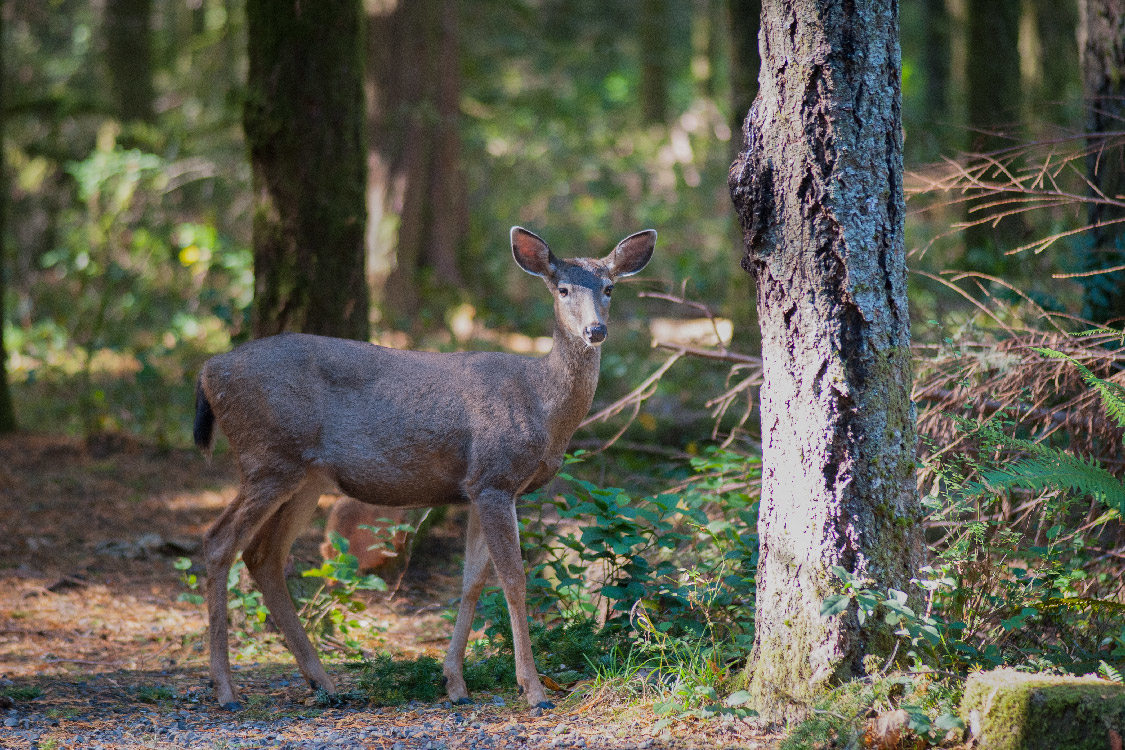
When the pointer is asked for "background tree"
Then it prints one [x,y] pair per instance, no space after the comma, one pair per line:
[993,87]
[304,122]
[743,15]
[818,189]
[419,215]
[7,414]
[128,41]
[1102,50]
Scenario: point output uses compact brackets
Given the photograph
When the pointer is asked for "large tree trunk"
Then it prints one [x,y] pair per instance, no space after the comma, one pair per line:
[416,194]
[304,121]
[7,414]
[129,57]
[818,188]
[1102,51]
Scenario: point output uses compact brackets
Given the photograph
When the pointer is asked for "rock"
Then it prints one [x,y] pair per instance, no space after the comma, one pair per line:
[497,700]
[1009,710]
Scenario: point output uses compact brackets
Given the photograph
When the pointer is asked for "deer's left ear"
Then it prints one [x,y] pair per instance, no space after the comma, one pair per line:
[631,254]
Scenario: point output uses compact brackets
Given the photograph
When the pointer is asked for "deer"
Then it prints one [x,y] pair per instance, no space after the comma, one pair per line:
[306,414]
[357,522]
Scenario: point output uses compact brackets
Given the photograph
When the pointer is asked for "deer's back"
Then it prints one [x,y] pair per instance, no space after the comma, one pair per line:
[388,426]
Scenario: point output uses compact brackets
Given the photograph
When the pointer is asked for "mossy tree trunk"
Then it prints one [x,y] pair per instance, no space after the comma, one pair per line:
[818,189]
[304,122]
[417,197]
[1102,51]
[7,413]
[128,40]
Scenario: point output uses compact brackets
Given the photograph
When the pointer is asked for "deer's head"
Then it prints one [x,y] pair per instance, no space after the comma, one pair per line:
[582,286]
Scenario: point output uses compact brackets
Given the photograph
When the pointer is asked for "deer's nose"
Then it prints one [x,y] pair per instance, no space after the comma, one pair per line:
[595,334]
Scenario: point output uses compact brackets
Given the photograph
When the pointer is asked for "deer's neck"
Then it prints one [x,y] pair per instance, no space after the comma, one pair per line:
[569,382]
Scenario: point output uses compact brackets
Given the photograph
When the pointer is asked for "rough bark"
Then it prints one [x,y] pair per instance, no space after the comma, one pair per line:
[1102,52]
[304,122]
[417,199]
[818,190]
[7,414]
[993,92]
[129,57]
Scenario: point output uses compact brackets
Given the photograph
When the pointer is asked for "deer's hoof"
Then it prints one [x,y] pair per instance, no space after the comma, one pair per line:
[466,701]
[231,706]
[545,705]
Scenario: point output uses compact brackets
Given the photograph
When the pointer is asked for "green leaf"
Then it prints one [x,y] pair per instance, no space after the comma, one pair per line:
[834,605]
[739,698]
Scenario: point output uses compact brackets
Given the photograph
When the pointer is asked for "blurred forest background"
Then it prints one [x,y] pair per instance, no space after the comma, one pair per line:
[128,247]
[146,159]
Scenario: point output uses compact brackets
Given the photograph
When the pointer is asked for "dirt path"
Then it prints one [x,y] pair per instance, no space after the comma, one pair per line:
[96,651]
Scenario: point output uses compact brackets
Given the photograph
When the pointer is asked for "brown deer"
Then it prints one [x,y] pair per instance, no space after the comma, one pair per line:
[304,414]
[354,520]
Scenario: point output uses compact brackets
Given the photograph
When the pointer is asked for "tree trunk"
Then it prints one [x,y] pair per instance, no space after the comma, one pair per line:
[304,121]
[1102,51]
[744,20]
[129,57]
[416,192]
[936,53]
[818,189]
[7,414]
[994,107]
[654,40]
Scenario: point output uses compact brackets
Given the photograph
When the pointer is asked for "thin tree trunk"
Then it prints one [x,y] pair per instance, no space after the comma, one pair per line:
[936,53]
[7,413]
[304,121]
[994,108]
[1102,52]
[417,199]
[129,57]
[818,189]
[744,18]
[654,38]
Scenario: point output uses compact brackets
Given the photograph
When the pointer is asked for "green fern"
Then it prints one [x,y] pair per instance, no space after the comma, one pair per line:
[1045,467]
[1109,672]
[1112,394]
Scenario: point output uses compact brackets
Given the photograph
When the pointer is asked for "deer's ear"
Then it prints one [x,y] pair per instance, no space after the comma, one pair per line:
[532,253]
[631,254]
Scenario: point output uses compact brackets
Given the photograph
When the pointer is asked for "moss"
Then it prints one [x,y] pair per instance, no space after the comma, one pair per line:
[1009,710]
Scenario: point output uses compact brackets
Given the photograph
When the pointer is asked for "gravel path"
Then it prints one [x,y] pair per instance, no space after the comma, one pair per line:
[103,712]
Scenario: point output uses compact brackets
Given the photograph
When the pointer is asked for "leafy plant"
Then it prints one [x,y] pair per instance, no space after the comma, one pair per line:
[326,612]
[387,681]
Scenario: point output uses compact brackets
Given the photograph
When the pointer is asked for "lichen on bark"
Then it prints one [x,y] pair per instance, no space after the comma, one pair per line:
[818,189]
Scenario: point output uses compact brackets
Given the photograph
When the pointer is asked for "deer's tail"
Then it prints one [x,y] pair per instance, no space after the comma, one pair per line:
[204,430]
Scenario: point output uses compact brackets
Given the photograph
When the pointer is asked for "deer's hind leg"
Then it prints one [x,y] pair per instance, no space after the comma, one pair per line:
[472,581]
[258,498]
[265,558]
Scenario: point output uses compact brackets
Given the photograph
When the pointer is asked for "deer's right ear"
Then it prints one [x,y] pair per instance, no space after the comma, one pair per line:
[532,253]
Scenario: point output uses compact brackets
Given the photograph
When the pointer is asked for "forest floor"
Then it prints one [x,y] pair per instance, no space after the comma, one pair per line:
[96,650]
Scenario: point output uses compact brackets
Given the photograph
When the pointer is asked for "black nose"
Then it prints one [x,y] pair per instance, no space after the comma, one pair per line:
[596,334]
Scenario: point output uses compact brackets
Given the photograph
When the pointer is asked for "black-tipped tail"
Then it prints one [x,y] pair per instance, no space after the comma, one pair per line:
[204,429]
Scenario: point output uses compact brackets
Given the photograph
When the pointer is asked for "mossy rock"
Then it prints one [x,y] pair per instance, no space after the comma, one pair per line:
[1009,710]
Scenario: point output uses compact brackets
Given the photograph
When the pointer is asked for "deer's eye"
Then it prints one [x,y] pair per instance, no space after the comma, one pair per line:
[609,290]
[563,291]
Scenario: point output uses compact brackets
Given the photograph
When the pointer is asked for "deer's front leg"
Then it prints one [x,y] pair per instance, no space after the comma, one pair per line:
[501,532]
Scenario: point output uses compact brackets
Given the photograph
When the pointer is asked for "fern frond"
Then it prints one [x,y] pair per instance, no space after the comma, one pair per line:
[1054,469]
[1112,394]
[1110,672]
